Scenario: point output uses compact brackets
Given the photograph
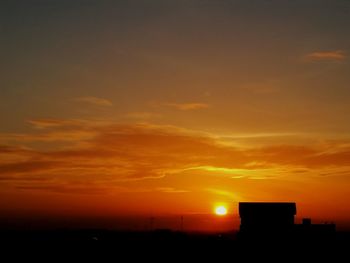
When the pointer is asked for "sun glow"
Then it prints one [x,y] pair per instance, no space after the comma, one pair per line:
[221,210]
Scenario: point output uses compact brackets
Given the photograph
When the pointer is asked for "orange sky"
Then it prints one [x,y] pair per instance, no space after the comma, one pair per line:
[142,169]
[169,108]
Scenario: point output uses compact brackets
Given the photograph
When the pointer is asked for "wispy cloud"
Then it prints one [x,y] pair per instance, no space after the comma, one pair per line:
[171,190]
[143,115]
[95,101]
[116,153]
[335,55]
[52,136]
[187,106]
[49,123]
[224,193]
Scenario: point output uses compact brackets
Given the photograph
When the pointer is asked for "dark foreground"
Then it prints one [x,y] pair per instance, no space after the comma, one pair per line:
[167,245]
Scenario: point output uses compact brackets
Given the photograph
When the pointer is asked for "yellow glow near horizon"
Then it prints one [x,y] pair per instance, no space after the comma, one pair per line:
[220,210]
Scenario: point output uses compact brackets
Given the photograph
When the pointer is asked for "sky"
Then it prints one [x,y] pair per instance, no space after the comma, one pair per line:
[164,108]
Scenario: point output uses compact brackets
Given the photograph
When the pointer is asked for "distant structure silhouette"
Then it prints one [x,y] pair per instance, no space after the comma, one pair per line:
[261,220]
[316,231]
[260,217]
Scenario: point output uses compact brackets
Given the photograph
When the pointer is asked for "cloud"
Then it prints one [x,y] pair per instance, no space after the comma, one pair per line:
[95,101]
[187,106]
[64,123]
[49,123]
[119,153]
[27,167]
[63,189]
[220,192]
[304,156]
[56,130]
[171,190]
[55,136]
[336,55]
[143,115]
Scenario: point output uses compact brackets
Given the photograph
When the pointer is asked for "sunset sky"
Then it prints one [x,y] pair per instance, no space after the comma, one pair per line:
[159,107]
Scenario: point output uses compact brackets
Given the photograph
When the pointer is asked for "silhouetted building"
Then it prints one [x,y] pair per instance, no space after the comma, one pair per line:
[266,217]
[306,221]
[315,231]
[276,221]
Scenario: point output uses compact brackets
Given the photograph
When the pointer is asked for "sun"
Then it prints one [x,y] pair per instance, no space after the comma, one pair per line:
[220,210]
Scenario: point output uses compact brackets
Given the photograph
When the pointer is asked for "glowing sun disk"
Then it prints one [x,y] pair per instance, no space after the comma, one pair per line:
[221,210]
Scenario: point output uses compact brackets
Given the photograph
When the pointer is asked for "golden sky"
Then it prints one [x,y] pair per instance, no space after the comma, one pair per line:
[172,107]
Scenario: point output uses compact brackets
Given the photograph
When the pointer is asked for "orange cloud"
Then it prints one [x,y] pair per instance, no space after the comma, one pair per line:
[170,190]
[117,153]
[304,156]
[337,55]
[95,101]
[56,130]
[68,135]
[143,115]
[64,123]
[187,106]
